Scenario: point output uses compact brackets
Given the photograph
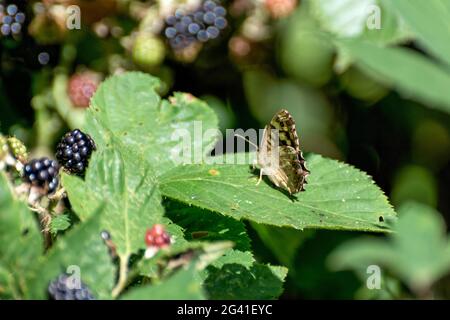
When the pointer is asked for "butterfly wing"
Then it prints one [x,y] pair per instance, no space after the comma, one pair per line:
[291,172]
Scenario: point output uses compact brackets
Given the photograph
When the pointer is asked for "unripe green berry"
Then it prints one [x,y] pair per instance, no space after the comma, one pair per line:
[3,146]
[17,148]
[148,50]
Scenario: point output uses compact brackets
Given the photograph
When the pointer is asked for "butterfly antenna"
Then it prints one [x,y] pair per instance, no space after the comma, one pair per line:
[244,138]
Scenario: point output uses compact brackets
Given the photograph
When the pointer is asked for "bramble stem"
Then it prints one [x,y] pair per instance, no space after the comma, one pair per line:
[122,282]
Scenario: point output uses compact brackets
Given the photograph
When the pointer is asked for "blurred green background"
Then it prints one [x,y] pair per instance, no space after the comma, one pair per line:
[367,81]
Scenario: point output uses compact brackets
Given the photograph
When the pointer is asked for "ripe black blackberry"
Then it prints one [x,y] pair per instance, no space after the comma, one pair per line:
[74,150]
[62,288]
[11,20]
[205,23]
[43,173]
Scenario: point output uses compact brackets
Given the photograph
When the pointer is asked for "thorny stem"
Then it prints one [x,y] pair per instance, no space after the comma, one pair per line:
[45,215]
[123,271]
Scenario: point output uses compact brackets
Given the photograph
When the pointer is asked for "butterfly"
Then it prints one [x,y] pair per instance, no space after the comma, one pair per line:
[279,155]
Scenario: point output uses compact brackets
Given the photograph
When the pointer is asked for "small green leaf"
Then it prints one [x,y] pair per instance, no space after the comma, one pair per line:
[418,252]
[337,196]
[83,248]
[185,284]
[59,223]
[20,243]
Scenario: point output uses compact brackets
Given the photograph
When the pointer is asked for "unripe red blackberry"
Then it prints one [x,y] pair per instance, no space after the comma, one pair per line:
[62,288]
[157,236]
[82,87]
[42,173]
[74,151]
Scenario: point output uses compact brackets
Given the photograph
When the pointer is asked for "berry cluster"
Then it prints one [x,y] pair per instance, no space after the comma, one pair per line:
[205,23]
[61,289]
[81,88]
[156,238]
[11,146]
[17,148]
[74,150]
[43,173]
[11,20]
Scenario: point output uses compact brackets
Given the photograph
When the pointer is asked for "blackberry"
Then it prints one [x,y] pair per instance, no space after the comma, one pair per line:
[201,25]
[62,289]
[157,237]
[17,148]
[43,173]
[74,150]
[81,88]
[11,20]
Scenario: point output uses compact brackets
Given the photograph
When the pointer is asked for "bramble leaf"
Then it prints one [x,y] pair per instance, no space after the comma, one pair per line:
[20,243]
[337,196]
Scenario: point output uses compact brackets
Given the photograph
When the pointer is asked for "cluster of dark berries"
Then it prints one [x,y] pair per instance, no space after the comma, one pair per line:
[74,150]
[11,20]
[62,288]
[205,23]
[43,173]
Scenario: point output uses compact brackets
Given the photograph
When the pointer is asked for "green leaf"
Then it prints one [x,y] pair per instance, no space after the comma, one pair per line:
[185,284]
[412,74]
[235,281]
[345,18]
[60,222]
[360,19]
[283,242]
[209,226]
[125,184]
[430,20]
[337,196]
[418,252]
[83,248]
[126,110]
[20,243]
[244,258]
